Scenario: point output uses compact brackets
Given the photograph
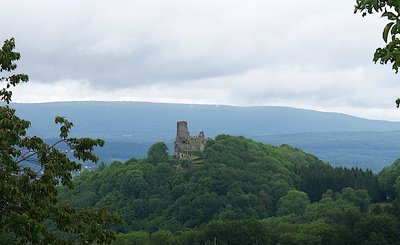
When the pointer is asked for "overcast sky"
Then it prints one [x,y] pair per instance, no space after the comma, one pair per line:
[313,54]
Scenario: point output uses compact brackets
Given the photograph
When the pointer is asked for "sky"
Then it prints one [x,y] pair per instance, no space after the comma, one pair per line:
[313,54]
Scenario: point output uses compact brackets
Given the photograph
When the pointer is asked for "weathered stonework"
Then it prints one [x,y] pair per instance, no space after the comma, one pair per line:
[186,145]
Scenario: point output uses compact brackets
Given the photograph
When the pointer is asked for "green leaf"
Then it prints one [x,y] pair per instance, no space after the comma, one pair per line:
[398,102]
[394,29]
[390,15]
[386,31]
[59,119]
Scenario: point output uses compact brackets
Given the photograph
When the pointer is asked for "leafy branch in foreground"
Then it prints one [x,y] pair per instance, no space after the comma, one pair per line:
[390,10]
[7,59]
[30,173]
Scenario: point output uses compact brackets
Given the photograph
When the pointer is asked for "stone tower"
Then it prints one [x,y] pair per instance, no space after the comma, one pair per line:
[182,131]
[186,145]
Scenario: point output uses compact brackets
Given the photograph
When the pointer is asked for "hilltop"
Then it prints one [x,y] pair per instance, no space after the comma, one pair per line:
[241,192]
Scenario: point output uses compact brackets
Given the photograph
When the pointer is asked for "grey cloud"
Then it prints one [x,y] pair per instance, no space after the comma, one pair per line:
[207,46]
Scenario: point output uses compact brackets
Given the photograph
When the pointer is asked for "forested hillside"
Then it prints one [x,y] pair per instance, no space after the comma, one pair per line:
[241,192]
[372,150]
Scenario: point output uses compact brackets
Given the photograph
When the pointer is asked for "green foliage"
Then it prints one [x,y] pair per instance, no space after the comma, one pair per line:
[390,10]
[313,233]
[29,208]
[242,192]
[161,237]
[377,229]
[332,209]
[389,179]
[317,178]
[7,65]
[236,232]
[133,238]
[359,198]
[163,196]
[237,179]
[216,232]
[370,229]
[295,202]
[158,153]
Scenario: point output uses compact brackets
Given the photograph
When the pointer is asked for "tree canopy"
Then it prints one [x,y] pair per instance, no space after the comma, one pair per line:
[158,153]
[31,171]
[236,179]
[241,192]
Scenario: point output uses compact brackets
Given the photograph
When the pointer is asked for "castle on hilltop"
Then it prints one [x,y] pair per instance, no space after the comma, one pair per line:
[186,145]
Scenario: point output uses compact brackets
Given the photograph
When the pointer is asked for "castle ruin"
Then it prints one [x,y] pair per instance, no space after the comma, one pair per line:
[186,145]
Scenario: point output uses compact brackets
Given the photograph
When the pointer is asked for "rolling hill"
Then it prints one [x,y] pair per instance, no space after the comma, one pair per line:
[130,127]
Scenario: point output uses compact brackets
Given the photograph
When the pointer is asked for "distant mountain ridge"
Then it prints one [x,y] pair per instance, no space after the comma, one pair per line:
[130,128]
[143,121]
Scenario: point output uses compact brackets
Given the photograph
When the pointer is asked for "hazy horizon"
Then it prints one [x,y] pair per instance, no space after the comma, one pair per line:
[205,104]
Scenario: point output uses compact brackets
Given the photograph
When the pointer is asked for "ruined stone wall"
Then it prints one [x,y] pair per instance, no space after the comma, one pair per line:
[186,145]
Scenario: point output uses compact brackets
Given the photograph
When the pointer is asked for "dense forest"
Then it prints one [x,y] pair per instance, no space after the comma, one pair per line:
[242,192]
